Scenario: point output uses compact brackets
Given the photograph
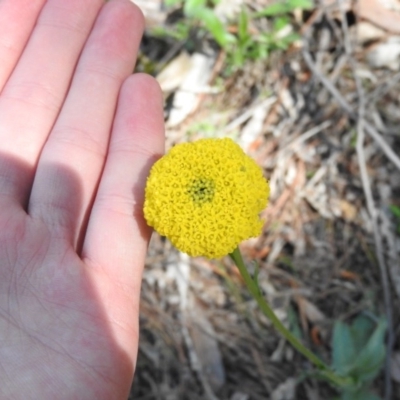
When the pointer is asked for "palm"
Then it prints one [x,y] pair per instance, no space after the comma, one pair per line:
[72,237]
[54,319]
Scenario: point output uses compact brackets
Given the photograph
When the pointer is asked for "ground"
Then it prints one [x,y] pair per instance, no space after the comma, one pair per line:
[321,119]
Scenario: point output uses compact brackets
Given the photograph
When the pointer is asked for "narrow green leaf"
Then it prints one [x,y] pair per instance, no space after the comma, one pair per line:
[243,25]
[303,4]
[362,394]
[343,348]
[273,10]
[370,359]
[395,211]
[362,329]
[284,7]
[280,23]
[294,323]
[191,7]
[214,26]
[170,3]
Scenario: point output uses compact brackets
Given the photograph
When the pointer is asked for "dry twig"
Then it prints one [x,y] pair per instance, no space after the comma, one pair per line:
[349,110]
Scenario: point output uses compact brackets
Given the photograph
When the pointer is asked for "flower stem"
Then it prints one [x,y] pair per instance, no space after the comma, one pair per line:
[253,288]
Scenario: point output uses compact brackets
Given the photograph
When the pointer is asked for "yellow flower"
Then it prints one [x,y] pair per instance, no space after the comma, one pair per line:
[206,197]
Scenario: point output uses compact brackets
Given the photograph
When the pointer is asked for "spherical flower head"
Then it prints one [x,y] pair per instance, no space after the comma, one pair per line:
[206,197]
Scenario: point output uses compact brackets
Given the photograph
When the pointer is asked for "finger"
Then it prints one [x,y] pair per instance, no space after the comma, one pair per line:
[79,139]
[34,93]
[17,19]
[117,236]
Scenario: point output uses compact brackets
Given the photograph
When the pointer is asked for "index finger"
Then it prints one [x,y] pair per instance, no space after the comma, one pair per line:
[17,19]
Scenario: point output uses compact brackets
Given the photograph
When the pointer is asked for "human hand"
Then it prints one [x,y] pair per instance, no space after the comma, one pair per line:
[77,139]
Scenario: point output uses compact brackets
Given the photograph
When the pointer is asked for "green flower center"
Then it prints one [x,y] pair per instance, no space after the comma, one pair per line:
[202,190]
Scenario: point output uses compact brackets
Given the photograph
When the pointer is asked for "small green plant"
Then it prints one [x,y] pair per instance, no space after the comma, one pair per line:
[396,212]
[201,13]
[358,353]
[245,43]
[256,46]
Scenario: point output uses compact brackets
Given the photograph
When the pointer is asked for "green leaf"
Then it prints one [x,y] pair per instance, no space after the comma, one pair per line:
[284,7]
[266,39]
[263,52]
[280,23]
[179,32]
[362,394]
[273,10]
[343,348]
[395,211]
[214,26]
[243,25]
[362,329]
[294,324]
[303,4]
[171,3]
[370,359]
[359,350]
[191,7]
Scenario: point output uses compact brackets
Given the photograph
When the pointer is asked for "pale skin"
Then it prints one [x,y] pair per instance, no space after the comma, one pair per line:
[78,135]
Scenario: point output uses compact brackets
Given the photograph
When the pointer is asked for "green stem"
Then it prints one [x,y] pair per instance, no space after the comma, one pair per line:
[253,288]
